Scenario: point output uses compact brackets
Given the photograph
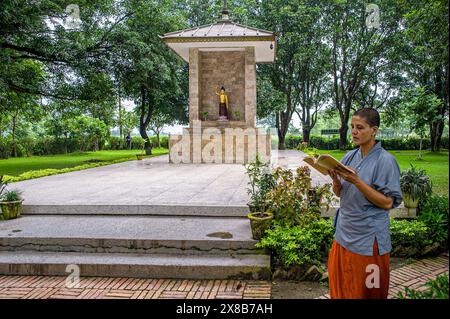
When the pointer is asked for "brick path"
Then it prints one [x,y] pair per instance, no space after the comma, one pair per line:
[45,287]
[415,275]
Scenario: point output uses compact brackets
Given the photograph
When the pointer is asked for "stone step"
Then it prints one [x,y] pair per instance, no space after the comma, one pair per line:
[129,234]
[135,265]
[126,209]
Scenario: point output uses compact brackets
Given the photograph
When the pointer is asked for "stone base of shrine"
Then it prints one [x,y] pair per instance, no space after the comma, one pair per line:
[220,145]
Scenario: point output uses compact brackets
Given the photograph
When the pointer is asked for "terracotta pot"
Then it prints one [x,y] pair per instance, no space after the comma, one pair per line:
[409,202]
[259,222]
[11,210]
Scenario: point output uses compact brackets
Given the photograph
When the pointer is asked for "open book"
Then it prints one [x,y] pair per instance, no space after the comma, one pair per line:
[325,162]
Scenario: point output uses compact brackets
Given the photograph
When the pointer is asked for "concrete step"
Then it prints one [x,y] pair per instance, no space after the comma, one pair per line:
[129,234]
[136,265]
[138,210]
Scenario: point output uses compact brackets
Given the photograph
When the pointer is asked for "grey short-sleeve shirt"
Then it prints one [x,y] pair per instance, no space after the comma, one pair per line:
[358,222]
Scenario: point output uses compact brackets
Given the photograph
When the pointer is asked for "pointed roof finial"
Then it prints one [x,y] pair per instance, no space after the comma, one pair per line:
[225,11]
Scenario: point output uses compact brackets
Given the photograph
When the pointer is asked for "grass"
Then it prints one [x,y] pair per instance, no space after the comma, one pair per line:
[434,163]
[17,166]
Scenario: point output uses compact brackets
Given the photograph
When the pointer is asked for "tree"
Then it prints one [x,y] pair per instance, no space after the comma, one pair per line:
[426,56]
[130,121]
[35,32]
[299,72]
[358,49]
[18,108]
[89,130]
[149,72]
[158,122]
[418,107]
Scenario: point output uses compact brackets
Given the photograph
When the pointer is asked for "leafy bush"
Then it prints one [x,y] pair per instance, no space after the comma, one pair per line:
[261,182]
[413,233]
[11,196]
[332,143]
[295,200]
[438,290]
[294,245]
[5,147]
[415,183]
[434,213]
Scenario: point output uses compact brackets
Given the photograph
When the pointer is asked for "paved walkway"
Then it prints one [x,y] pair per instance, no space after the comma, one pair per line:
[413,275]
[152,181]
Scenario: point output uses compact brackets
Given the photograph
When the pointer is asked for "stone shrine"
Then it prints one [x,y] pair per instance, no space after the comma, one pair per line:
[221,55]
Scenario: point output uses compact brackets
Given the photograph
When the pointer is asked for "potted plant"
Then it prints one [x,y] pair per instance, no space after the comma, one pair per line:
[205,115]
[141,155]
[237,115]
[415,185]
[261,183]
[10,201]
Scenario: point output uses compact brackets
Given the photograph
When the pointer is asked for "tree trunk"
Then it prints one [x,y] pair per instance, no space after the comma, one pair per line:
[120,119]
[14,122]
[420,148]
[343,136]
[159,141]
[65,143]
[306,133]
[144,120]
[281,130]
[436,131]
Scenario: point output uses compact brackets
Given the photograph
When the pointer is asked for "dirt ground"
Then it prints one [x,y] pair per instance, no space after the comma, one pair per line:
[311,290]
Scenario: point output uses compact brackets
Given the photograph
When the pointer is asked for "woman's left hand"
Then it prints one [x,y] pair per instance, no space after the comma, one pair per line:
[349,177]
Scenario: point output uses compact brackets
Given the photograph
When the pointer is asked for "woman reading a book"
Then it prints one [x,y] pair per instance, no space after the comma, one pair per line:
[358,263]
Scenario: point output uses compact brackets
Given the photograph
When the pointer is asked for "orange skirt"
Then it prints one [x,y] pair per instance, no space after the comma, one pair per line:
[354,276]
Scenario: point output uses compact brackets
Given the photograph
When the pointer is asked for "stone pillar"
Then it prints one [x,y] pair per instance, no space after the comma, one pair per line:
[194,85]
[250,87]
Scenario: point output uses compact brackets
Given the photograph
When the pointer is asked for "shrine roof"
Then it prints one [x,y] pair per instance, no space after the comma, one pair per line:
[223,35]
[222,28]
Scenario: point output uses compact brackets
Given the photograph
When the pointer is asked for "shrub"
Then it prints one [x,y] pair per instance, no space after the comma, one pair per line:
[434,214]
[295,200]
[409,233]
[332,143]
[261,182]
[11,196]
[438,290]
[5,148]
[415,183]
[293,245]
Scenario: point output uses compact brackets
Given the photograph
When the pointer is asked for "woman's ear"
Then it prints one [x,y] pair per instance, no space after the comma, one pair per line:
[374,130]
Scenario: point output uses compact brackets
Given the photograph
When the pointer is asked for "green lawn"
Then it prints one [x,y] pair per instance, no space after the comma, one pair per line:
[435,164]
[16,166]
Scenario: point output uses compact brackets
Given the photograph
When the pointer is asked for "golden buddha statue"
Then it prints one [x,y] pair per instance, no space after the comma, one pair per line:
[223,104]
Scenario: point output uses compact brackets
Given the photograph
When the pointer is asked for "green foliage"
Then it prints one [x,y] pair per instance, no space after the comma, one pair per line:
[294,199]
[299,245]
[413,233]
[415,183]
[438,289]
[435,214]
[11,196]
[332,143]
[261,182]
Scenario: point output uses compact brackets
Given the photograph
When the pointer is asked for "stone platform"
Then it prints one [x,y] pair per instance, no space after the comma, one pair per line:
[149,187]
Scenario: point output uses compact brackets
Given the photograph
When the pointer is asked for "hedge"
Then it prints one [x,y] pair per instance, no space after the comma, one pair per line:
[51,146]
[332,143]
